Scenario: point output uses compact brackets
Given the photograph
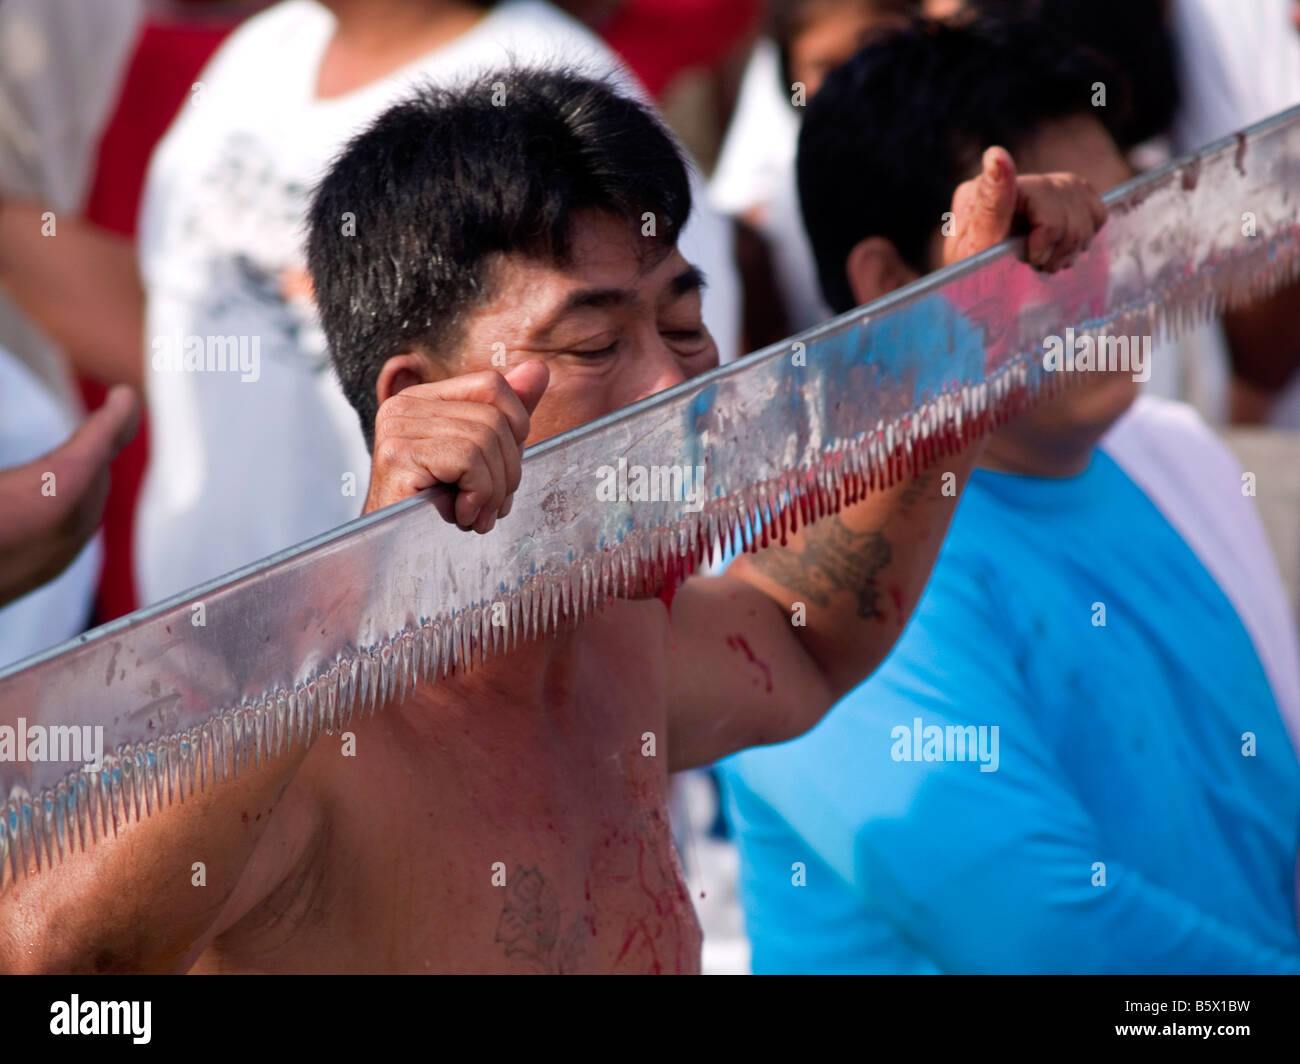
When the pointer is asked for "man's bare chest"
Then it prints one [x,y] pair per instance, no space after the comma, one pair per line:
[517,841]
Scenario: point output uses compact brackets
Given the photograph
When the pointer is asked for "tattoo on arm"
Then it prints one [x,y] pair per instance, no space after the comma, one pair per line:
[915,491]
[834,558]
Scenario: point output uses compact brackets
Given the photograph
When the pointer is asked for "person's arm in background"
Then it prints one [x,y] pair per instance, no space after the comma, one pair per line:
[980,871]
[81,285]
[75,282]
[1264,346]
[52,506]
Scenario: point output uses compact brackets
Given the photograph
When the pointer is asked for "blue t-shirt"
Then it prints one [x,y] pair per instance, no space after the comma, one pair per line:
[1072,761]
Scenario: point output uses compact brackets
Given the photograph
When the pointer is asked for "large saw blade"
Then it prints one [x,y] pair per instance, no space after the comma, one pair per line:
[296,644]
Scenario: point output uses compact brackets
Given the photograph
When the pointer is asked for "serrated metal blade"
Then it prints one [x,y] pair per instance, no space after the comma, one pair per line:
[298,643]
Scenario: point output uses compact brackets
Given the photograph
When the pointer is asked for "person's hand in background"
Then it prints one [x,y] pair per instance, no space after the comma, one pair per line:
[49,508]
[1059,213]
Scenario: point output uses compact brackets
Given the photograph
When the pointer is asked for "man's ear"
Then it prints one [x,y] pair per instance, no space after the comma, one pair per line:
[401,372]
[874,268]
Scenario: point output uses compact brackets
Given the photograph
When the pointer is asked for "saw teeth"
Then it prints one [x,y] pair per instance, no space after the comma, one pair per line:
[315,710]
[236,739]
[115,795]
[350,676]
[147,780]
[385,677]
[332,698]
[370,670]
[363,683]
[37,831]
[58,805]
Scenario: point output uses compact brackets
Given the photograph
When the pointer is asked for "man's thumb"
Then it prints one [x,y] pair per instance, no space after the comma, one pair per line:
[528,381]
[995,193]
[101,436]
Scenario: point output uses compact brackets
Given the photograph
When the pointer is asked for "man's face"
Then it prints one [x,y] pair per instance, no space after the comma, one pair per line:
[832,31]
[621,322]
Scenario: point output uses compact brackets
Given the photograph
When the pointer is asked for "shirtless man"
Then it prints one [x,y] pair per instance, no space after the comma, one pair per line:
[520,224]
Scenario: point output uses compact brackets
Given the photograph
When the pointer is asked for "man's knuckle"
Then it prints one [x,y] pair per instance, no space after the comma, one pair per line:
[387,454]
[482,435]
[466,450]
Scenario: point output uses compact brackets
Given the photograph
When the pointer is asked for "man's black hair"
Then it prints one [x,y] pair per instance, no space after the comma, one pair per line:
[403,228]
[1133,36]
[895,130]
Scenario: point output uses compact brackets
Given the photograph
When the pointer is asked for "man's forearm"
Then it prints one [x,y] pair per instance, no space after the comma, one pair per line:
[858,574]
[80,284]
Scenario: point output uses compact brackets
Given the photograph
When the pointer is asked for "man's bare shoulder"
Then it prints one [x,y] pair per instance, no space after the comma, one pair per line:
[279,878]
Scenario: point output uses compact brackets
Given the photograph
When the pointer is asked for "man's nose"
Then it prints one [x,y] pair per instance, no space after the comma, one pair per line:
[662,370]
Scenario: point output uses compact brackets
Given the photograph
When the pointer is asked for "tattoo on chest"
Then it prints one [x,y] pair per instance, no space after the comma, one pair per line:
[835,558]
[530,925]
[635,891]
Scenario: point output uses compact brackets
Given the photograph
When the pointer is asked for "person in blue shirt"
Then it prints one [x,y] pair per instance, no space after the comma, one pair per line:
[1081,755]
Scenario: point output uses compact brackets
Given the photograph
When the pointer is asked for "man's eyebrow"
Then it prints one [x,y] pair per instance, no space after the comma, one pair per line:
[585,299]
[691,279]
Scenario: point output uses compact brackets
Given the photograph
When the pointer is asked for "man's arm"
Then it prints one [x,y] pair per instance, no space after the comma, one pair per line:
[855,576]
[43,531]
[80,284]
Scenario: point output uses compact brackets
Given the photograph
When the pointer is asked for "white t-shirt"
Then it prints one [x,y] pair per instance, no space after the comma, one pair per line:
[33,422]
[759,147]
[756,169]
[1195,482]
[249,462]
